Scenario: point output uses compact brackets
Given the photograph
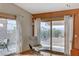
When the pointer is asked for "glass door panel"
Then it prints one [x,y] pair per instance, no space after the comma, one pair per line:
[58,36]
[45,35]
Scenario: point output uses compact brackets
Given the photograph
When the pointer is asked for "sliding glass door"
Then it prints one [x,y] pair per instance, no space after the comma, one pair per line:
[52,35]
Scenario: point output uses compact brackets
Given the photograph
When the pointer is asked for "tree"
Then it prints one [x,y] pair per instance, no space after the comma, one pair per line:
[56,33]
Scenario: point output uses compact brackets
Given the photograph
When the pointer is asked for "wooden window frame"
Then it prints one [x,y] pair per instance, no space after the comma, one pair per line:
[7,16]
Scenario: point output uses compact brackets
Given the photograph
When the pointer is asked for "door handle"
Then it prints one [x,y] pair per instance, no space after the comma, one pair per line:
[76,36]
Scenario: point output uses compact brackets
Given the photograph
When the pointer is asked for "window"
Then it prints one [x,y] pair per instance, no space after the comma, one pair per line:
[8,31]
[11,25]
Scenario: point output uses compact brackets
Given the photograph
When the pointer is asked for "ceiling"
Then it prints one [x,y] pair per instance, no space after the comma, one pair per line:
[35,8]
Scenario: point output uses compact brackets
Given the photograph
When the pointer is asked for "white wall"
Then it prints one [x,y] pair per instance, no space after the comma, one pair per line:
[26,23]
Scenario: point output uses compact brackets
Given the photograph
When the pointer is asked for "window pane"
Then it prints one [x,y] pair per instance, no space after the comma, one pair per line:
[45,35]
[58,36]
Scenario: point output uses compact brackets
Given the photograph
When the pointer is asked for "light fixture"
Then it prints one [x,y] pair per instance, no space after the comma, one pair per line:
[67,5]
